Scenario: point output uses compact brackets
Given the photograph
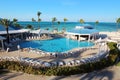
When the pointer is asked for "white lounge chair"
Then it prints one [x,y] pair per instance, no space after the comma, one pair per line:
[60,63]
[77,61]
[46,64]
[7,50]
[54,63]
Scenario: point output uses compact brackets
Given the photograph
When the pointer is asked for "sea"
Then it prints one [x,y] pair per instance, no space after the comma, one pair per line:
[101,26]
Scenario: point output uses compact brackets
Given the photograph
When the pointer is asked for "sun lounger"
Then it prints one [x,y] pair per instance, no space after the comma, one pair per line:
[46,64]
[54,63]
[60,63]
[77,61]
[68,63]
[72,62]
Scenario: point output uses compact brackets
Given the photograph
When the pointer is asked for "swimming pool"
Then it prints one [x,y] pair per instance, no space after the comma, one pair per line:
[55,45]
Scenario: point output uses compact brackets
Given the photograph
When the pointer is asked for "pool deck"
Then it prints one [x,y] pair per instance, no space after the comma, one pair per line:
[76,55]
[112,35]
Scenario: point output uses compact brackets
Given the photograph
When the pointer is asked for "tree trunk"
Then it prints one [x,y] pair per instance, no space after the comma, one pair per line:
[53,25]
[38,22]
[7,35]
[117,27]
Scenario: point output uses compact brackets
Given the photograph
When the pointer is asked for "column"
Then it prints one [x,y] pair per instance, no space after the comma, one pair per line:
[2,44]
[21,36]
[95,36]
[89,38]
[67,40]
[79,38]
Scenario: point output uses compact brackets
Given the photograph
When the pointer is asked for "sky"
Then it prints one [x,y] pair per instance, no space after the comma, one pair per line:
[73,10]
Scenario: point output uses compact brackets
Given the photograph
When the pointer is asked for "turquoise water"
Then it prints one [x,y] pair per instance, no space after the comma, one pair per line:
[56,45]
[102,26]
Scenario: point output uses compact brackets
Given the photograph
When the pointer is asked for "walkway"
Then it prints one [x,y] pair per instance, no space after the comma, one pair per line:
[110,73]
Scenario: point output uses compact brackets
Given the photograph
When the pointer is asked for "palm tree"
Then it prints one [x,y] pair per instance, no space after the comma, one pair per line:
[15,24]
[6,23]
[38,14]
[118,22]
[39,20]
[65,19]
[29,27]
[33,20]
[53,20]
[15,20]
[81,21]
[58,23]
[97,22]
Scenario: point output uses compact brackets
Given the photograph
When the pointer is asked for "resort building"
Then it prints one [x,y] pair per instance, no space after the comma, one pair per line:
[83,32]
[2,43]
[39,32]
[14,35]
[12,30]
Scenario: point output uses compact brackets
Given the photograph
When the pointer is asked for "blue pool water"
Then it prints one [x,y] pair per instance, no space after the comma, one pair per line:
[56,45]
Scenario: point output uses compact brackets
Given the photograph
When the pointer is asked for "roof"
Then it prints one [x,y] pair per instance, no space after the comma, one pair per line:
[82,31]
[2,28]
[2,38]
[39,31]
[14,31]
[86,26]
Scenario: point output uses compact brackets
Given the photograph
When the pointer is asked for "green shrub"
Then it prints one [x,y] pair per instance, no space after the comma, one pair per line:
[112,45]
[118,64]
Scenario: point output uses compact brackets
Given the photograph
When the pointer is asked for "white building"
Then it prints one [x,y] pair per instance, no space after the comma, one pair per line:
[83,33]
